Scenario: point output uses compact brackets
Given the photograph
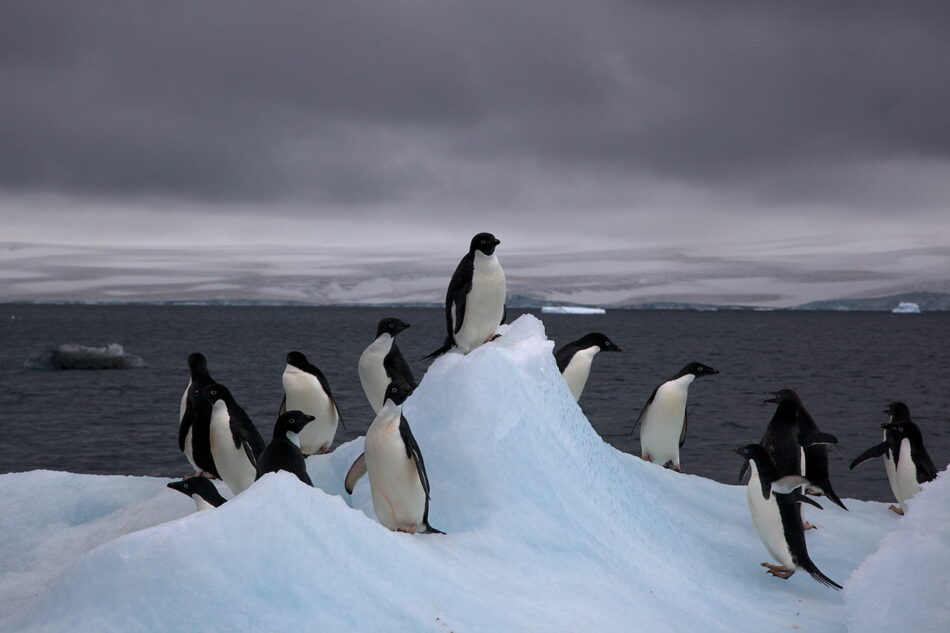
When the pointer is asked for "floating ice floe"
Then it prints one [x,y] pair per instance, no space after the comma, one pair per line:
[906,307]
[73,356]
[549,529]
[571,310]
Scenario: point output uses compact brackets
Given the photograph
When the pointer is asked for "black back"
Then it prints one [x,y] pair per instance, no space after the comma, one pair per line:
[781,439]
[198,370]
[282,453]
[397,369]
[564,355]
[414,453]
[816,455]
[298,360]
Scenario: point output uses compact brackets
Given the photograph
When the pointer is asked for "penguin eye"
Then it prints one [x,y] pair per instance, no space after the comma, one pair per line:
[482,241]
[214,392]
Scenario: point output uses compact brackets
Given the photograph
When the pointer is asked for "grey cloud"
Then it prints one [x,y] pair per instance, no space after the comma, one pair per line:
[437,104]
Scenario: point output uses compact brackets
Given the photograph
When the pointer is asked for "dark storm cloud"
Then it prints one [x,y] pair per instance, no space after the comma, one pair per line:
[365,103]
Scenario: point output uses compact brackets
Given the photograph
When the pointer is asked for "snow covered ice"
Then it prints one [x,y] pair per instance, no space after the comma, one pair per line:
[906,307]
[548,529]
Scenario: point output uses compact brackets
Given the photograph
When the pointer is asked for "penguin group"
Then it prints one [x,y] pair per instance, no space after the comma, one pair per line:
[789,462]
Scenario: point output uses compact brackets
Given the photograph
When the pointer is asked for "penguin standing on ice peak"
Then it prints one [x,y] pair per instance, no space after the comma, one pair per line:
[906,460]
[201,490]
[199,377]
[306,389]
[398,480]
[663,419]
[283,452]
[574,359]
[475,299]
[235,441]
[774,502]
[382,363]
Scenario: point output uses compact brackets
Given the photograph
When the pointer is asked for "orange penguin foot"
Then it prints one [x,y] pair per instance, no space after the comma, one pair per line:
[779,571]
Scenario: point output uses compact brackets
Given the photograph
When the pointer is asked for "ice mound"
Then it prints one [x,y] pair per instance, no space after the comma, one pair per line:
[571,310]
[906,307]
[905,584]
[549,529]
[73,356]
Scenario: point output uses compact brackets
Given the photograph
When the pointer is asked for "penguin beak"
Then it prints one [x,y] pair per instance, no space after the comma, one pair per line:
[497,241]
[887,411]
[773,399]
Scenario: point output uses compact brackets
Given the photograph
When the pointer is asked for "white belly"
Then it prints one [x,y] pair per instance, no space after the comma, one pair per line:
[304,393]
[891,470]
[578,370]
[189,447]
[663,422]
[372,373]
[399,499]
[905,476]
[768,521]
[235,468]
[485,305]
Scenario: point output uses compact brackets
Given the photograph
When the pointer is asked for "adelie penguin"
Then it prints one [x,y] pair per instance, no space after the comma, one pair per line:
[664,417]
[814,454]
[574,359]
[201,490]
[306,389]
[235,441]
[199,377]
[906,461]
[397,473]
[382,363]
[283,452]
[774,502]
[475,299]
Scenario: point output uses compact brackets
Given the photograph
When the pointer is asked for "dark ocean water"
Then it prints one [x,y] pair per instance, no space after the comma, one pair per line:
[845,366]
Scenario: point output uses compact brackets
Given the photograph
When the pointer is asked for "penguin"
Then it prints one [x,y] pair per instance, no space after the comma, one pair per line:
[815,466]
[575,358]
[664,417]
[199,377]
[306,389]
[235,441]
[475,299]
[283,452]
[774,502]
[397,473]
[382,363]
[903,450]
[204,493]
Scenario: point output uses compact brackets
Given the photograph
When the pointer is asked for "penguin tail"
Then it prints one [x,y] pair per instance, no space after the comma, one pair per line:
[445,347]
[820,577]
[431,530]
[833,496]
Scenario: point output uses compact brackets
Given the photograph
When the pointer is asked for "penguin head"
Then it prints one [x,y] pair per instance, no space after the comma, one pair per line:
[209,394]
[196,486]
[484,243]
[783,395]
[398,392]
[904,429]
[390,326]
[292,421]
[752,452]
[600,340]
[898,411]
[297,359]
[197,362]
[698,370]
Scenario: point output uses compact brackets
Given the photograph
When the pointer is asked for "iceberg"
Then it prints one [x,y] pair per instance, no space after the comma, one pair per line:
[906,307]
[571,310]
[73,356]
[548,529]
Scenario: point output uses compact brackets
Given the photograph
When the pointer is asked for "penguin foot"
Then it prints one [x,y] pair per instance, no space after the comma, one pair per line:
[896,510]
[647,458]
[779,571]
[411,530]
[678,468]
[808,525]
[492,338]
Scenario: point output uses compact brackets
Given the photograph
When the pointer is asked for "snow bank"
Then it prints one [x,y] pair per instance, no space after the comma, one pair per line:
[73,356]
[549,529]
[906,307]
[571,310]
[905,584]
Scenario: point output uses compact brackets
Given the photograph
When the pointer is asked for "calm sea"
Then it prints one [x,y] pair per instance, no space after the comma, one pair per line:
[845,366]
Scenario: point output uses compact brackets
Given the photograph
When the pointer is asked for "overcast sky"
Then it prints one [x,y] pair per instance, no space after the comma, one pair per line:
[594,121]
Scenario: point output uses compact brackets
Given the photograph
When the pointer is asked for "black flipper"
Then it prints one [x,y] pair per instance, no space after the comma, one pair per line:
[355,473]
[415,454]
[810,439]
[877,450]
[800,497]
[283,407]
[186,421]
[683,432]
[829,492]
[743,470]
[926,471]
